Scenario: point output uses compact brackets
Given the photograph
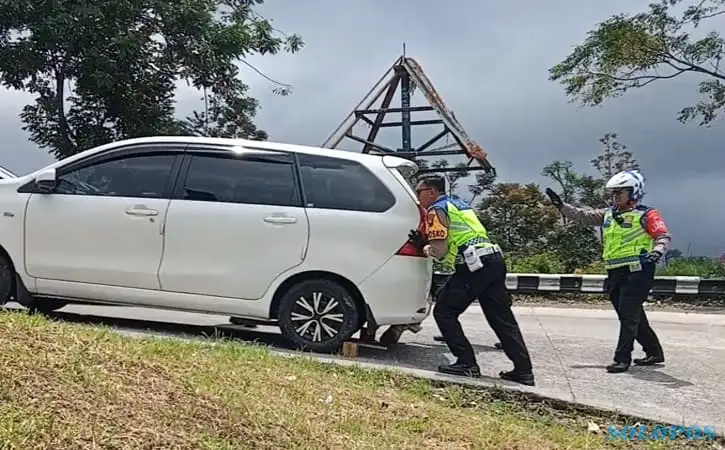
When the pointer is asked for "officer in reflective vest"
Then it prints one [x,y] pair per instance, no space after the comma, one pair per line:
[634,239]
[458,239]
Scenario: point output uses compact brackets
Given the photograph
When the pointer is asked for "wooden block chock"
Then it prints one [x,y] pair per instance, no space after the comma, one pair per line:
[349,349]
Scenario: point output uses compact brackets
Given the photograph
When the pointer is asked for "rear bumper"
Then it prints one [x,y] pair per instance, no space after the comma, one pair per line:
[398,292]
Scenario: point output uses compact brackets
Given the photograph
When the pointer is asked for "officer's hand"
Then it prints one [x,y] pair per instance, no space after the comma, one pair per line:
[554,197]
[652,257]
[417,238]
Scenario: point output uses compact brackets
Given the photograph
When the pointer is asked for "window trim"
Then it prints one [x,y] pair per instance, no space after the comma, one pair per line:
[137,150]
[225,152]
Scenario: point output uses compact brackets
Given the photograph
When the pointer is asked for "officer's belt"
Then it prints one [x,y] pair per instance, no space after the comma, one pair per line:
[481,252]
[485,251]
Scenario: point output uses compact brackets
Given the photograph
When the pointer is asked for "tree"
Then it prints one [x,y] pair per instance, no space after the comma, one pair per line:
[228,113]
[516,218]
[574,245]
[561,172]
[102,71]
[614,158]
[484,183]
[631,51]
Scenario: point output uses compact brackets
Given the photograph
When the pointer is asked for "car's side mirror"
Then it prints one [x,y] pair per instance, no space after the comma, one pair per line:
[46,181]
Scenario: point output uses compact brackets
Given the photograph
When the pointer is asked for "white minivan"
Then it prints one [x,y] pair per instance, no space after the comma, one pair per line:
[311,239]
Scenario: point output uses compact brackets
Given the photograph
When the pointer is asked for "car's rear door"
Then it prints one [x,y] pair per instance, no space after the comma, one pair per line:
[235,224]
[356,222]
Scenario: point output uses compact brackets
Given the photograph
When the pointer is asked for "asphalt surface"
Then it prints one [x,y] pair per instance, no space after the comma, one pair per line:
[569,348]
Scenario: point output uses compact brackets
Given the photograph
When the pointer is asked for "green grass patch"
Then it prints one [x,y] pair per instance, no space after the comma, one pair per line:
[69,386]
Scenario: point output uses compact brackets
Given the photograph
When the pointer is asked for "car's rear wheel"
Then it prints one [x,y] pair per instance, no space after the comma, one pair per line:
[318,315]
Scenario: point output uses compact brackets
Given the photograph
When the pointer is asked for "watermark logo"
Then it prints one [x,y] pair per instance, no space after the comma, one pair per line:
[659,433]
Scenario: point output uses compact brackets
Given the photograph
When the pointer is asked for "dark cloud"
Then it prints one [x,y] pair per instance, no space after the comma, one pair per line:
[489,62]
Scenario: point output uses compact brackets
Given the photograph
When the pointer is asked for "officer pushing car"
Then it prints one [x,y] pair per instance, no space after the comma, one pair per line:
[458,239]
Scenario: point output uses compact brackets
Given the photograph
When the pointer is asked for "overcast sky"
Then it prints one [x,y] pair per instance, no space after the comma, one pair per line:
[489,61]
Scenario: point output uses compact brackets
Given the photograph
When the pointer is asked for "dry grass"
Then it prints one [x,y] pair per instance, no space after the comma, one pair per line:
[66,386]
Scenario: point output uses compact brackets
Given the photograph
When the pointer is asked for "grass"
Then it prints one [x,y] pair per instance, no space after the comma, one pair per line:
[69,386]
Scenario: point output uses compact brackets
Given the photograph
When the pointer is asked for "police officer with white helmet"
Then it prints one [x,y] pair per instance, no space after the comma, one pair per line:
[634,238]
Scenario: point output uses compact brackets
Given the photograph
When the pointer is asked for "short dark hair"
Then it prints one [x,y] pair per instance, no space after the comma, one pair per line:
[436,182]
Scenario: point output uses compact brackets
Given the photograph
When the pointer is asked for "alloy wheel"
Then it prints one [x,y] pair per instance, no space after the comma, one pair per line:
[317,317]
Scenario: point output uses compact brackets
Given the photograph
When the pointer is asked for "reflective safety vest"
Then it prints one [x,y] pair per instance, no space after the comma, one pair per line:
[625,241]
[464,229]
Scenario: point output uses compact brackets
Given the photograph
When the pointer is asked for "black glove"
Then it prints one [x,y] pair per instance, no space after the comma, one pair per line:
[652,257]
[555,199]
[417,238]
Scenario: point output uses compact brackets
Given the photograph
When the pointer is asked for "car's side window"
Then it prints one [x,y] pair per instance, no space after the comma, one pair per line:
[333,183]
[144,175]
[260,179]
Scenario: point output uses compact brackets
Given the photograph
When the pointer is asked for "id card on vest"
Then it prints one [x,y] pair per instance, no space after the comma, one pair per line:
[436,229]
[635,267]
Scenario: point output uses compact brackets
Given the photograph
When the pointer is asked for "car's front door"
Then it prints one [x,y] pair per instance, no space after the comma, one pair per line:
[234,225]
[103,223]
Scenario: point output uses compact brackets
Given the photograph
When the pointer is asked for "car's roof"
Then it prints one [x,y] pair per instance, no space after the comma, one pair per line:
[5,173]
[262,145]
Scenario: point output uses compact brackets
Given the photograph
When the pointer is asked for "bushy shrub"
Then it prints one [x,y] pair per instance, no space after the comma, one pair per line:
[548,263]
[694,267]
[538,263]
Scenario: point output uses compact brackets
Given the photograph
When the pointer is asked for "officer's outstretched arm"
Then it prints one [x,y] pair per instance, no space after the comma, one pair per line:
[438,223]
[590,217]
[584,216]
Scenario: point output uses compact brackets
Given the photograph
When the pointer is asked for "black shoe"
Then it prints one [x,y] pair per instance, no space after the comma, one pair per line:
[461,369]
[439,338]
[498,346]
[526,378]
[650,360]
[617,367]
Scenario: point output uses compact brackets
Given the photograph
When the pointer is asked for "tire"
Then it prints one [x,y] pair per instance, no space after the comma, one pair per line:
[7,280]
[296,311]
[44,305]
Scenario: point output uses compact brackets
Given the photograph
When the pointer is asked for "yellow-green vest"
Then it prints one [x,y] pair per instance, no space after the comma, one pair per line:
[625,240]
[464,229]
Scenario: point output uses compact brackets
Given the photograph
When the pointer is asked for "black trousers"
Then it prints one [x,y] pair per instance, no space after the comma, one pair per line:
[628,291]
[488,285]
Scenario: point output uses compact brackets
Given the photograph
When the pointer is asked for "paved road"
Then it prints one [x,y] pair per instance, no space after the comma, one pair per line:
[570,348]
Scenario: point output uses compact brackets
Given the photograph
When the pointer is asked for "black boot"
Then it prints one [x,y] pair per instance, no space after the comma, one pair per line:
[461,369]
[617,367]
[650,360]
[526,378]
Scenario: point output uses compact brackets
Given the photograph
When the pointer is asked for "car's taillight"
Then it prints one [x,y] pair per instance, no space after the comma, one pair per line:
[408,249]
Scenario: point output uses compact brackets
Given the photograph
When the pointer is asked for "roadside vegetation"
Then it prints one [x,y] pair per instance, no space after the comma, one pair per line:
[67,386]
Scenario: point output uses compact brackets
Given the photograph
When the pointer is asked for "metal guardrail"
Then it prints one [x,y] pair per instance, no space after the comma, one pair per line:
[597,284]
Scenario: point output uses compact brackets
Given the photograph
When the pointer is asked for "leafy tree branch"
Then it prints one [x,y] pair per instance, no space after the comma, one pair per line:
[631,51]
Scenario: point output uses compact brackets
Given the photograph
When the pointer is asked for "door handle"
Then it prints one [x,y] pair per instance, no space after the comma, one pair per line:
[280,219]
[141,211]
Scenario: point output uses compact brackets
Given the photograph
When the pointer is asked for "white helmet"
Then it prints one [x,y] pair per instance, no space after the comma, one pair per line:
[628,179]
